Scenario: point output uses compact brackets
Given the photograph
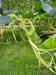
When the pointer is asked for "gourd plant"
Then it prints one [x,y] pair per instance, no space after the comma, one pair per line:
[37,45]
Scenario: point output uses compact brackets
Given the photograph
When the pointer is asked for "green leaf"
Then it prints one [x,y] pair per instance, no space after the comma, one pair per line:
[50,43]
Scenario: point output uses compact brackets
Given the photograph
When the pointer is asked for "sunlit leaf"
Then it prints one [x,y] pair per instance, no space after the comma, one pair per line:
[50,42]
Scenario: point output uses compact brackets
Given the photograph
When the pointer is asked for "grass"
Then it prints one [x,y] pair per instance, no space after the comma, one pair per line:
[19,59]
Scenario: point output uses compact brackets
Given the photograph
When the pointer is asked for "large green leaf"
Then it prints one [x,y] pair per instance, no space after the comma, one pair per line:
[50,43]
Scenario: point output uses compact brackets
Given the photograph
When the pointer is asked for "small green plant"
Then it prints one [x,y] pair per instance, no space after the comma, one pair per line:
[35,43]
[34,40]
